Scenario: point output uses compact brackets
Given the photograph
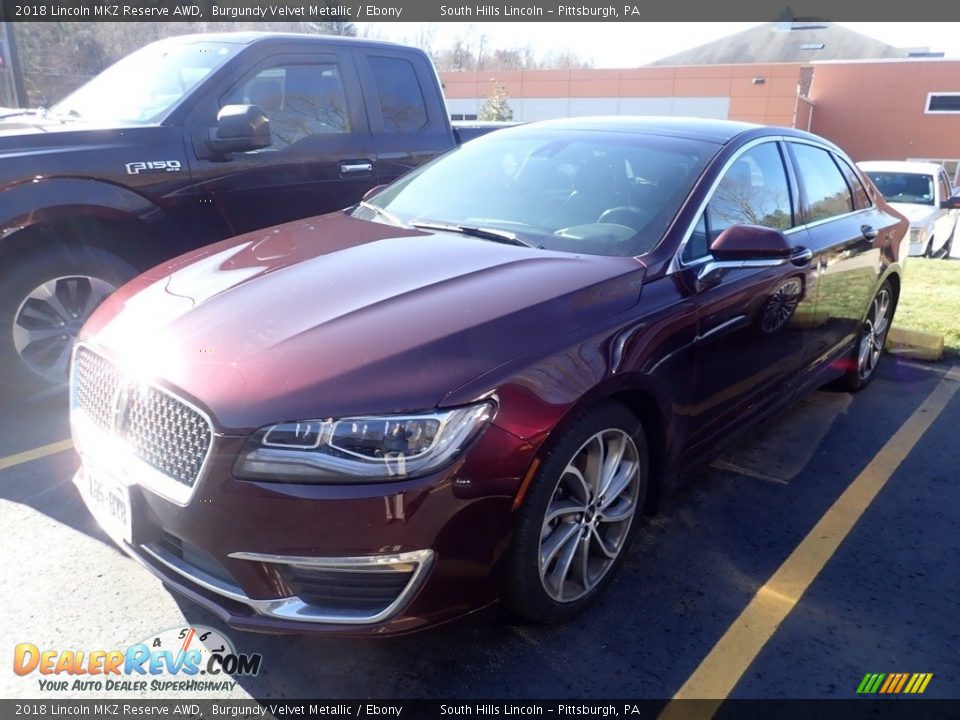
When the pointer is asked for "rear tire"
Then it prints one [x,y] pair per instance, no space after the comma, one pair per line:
[46,294]
[579,516]
[868,351]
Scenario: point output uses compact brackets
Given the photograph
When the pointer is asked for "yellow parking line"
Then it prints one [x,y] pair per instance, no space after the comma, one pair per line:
[720,671]
[35,454]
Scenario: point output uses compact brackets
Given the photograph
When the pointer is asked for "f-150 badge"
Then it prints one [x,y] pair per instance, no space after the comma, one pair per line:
[135,168]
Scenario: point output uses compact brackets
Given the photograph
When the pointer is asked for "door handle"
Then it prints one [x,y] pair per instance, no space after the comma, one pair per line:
[868,232]
[801,256]
[356,167]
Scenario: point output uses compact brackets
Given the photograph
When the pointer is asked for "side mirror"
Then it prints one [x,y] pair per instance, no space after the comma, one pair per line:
[748,246]
[951,203]
[373,191]
[751,242]
[240,128]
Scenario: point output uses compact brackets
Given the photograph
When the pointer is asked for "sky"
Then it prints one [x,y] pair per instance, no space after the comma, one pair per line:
[629,44]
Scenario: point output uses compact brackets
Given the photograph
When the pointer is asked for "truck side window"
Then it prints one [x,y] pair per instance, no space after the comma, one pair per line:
[401,98]
[299,100]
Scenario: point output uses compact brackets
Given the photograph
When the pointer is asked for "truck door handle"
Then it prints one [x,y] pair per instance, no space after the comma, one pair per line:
[356,167]
[868,232]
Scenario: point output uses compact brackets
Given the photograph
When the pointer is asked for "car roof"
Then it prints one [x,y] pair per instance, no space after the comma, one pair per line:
[715,131]
[926,168]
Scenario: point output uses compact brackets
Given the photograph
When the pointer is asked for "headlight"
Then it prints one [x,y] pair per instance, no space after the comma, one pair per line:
[917,235]
[361,449]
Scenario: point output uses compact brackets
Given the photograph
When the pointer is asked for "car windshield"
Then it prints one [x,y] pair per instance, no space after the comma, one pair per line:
[904,187]
[144,86]
[599,193]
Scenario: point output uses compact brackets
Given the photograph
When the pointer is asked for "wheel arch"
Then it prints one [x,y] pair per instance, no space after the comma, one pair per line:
[106,216]
[638,394]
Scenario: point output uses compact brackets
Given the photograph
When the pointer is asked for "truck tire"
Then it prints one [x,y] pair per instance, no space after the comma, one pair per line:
[46,294]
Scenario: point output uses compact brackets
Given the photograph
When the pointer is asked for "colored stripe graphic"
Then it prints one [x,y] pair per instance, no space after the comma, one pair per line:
[894,683]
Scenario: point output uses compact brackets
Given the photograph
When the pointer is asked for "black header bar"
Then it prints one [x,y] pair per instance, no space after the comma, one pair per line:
[475,11]
[496,709]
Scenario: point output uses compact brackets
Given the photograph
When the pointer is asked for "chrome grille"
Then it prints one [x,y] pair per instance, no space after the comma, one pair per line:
[167,435]
[161,430]
[95,386]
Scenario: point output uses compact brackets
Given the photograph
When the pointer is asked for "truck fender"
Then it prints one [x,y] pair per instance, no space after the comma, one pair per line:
[42,201]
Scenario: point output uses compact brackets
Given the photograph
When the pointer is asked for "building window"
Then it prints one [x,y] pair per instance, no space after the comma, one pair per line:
[462,116]
[945,102]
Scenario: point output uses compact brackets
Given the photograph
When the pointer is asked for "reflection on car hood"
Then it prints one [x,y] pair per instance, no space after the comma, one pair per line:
[917,214]
[333,316]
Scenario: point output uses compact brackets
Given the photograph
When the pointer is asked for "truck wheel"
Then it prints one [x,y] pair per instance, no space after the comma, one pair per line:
[576,523]
[46,295]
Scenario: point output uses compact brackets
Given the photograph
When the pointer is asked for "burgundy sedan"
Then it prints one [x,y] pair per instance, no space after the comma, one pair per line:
[469,388]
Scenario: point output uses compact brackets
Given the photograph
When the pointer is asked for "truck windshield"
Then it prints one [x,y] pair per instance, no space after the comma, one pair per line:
[144,86]
[904,187]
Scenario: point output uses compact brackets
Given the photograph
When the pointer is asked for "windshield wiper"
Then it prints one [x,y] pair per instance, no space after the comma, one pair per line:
[386,214]
[501,236]
[23,111]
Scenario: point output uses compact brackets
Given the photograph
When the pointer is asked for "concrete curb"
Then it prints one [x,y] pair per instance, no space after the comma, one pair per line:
[915,344]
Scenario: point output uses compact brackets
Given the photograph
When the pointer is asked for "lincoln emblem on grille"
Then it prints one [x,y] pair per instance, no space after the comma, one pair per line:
[121,406]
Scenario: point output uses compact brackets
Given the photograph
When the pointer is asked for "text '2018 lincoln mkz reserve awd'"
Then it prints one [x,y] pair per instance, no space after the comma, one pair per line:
[470,387]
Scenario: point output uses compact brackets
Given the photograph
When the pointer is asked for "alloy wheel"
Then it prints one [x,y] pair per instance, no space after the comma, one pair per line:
[588,518]
[874,334]
[49,319]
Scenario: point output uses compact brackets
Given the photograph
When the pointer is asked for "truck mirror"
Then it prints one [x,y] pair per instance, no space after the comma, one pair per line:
[240,128]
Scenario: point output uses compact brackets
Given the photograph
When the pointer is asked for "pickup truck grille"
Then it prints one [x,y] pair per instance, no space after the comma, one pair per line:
[160,429]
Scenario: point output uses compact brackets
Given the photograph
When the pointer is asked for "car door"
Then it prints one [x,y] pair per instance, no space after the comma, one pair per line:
[321,157]
[946,222]
[843,230]
[750,341]
[404,101]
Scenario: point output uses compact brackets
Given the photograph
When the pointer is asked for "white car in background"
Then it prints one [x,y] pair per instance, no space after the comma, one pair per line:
[923,194]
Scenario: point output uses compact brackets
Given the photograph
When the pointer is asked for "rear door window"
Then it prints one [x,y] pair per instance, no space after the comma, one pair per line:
[400,96]
[826,191]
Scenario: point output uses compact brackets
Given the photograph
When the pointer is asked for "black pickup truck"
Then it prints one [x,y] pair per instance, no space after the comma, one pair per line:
[185,142]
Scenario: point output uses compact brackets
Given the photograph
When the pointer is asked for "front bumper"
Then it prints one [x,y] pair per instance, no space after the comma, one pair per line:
[348,559]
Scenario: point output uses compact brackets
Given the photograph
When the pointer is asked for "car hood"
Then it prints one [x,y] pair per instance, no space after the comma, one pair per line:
[917,214]
[336,316]
[16,122]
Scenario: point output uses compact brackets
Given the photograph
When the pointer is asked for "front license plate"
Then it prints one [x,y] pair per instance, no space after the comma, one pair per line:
[109,502]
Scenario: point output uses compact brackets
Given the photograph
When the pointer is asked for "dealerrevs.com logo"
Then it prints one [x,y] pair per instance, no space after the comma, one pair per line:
[196,658]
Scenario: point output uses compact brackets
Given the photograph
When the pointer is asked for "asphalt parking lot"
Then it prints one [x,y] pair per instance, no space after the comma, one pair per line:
[885,601]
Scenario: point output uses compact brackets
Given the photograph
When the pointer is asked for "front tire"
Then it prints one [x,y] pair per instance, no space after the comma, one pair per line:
[873,336]
[46,295]
[579,517]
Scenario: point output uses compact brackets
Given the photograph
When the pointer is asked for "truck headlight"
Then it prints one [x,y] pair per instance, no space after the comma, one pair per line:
[917,235]
[361,449]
